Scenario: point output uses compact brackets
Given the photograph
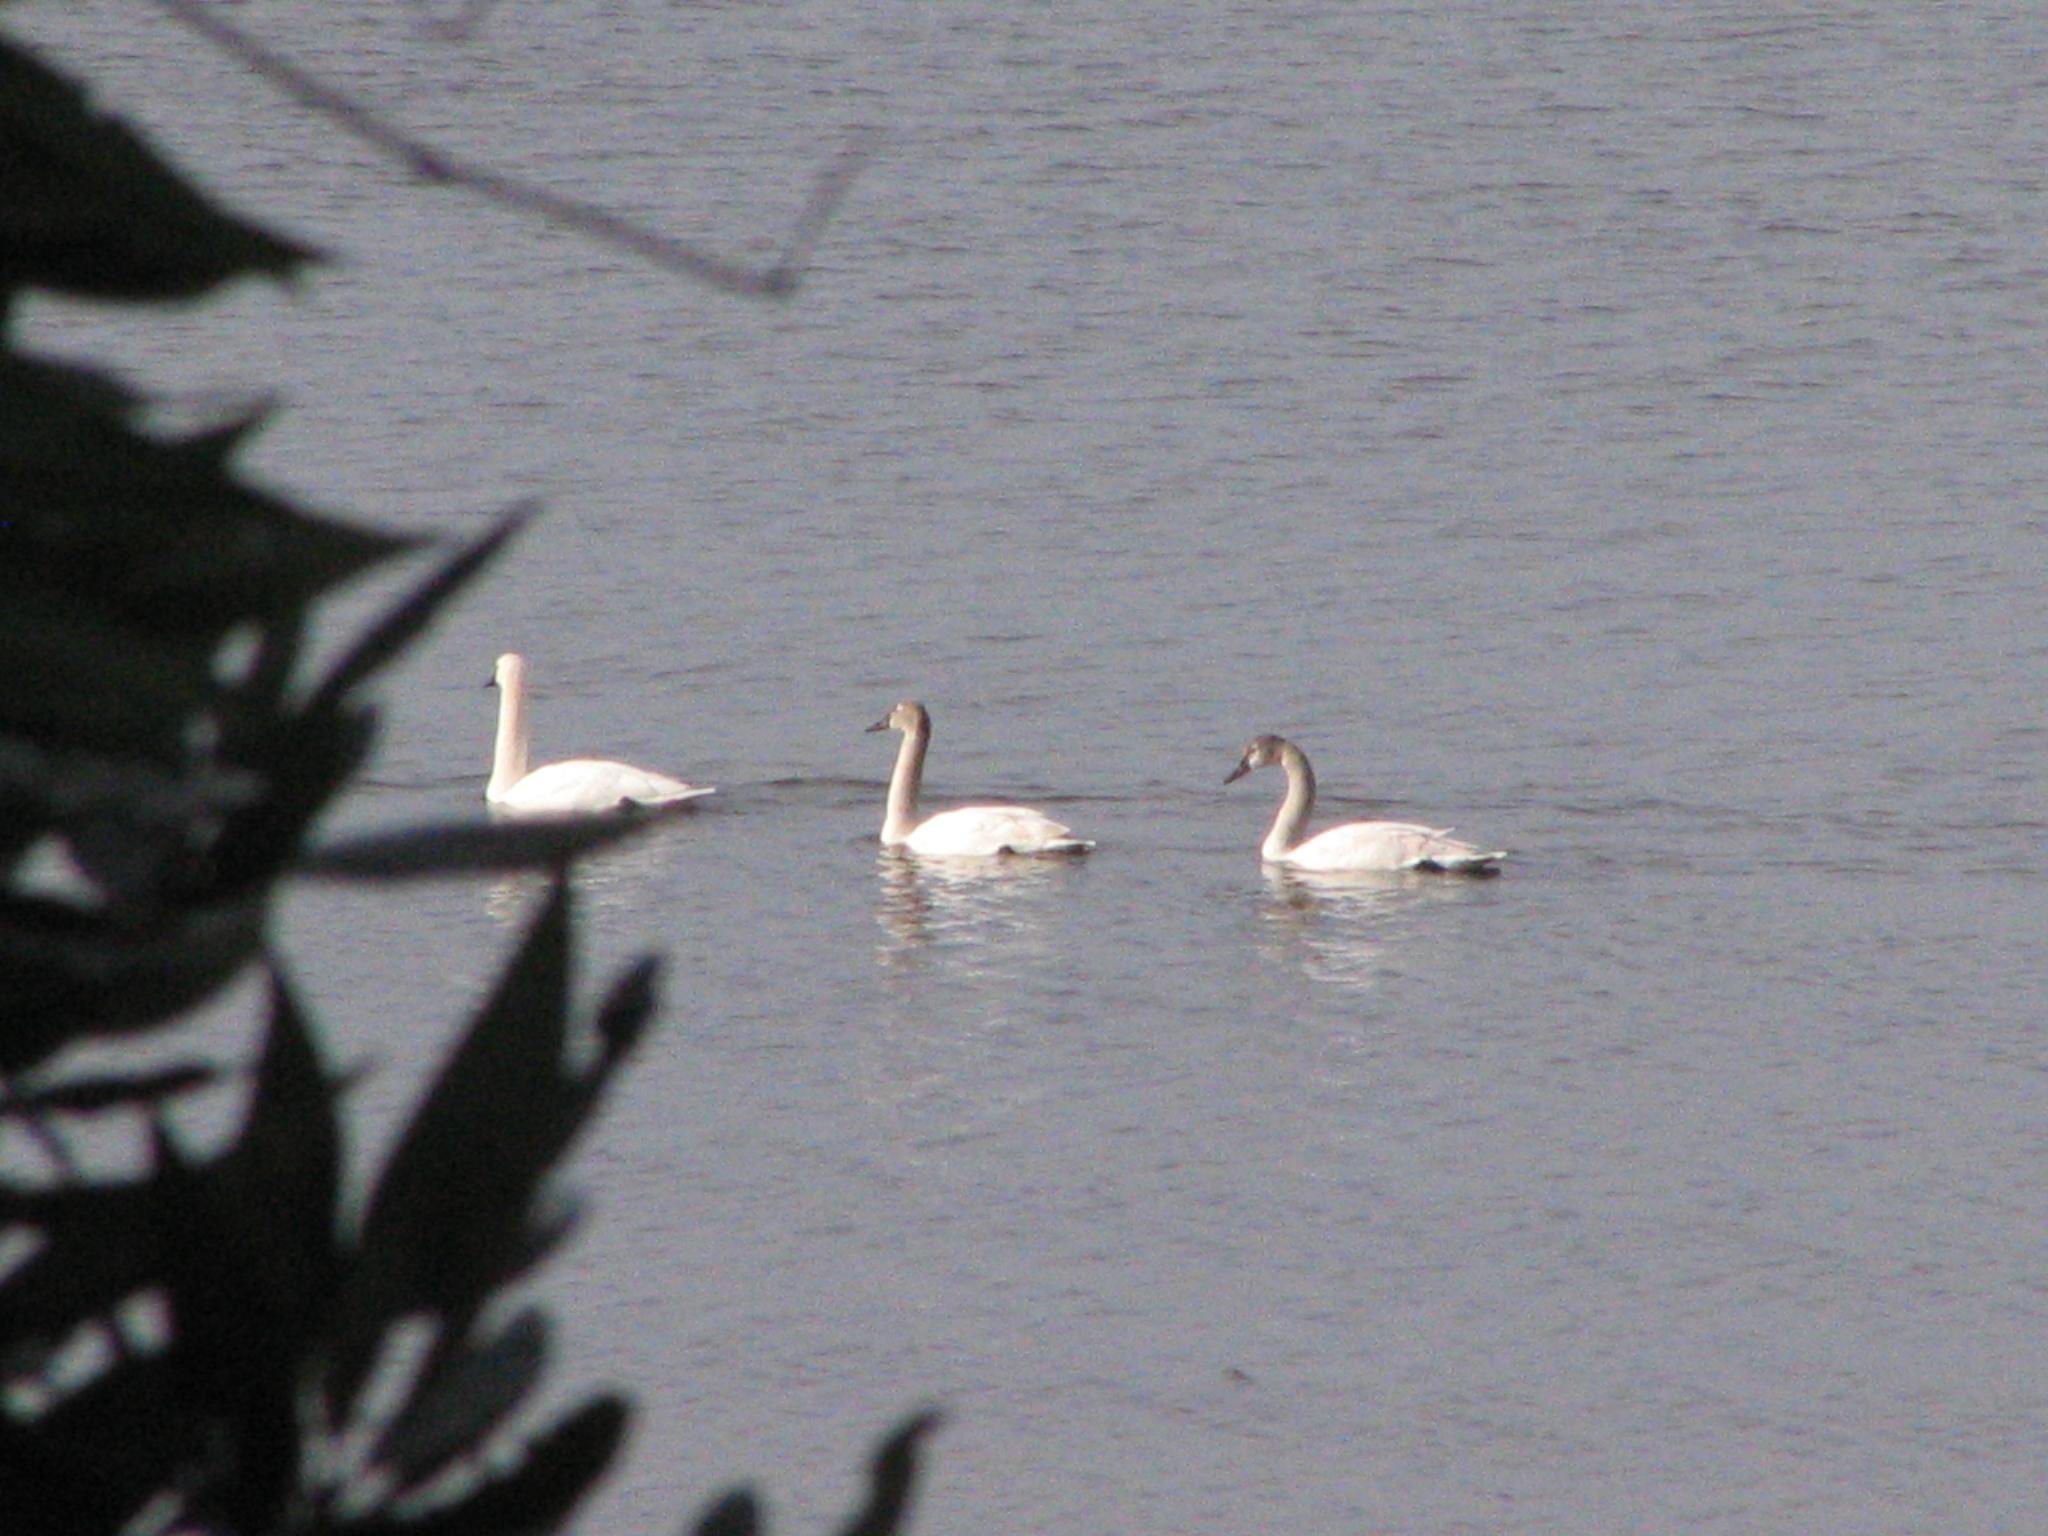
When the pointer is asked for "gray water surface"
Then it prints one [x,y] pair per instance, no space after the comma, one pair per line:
[1615,430]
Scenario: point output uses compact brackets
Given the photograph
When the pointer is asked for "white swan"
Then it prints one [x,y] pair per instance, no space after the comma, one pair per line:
[1356,845]
[578,784]
[972,831]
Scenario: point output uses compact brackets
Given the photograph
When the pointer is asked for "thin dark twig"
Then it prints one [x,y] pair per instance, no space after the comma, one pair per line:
[433,165]
[826,195]
[460,27]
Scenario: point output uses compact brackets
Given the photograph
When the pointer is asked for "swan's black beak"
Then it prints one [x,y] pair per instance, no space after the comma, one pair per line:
[880,725]
[1244,766]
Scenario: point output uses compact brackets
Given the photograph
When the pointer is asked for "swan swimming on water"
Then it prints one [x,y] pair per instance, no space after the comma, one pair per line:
[1356,845]
[972,831]
[577,784]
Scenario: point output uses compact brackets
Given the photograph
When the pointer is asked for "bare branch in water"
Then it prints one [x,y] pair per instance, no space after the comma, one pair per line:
[432,165]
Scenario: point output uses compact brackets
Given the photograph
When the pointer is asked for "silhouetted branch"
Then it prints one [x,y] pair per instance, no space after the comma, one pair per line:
[432,165]
[462,26]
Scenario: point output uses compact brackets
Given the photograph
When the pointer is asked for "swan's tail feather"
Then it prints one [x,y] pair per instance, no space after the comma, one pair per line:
[1468,861]
[679,800]
[1449,856]
[1064,845]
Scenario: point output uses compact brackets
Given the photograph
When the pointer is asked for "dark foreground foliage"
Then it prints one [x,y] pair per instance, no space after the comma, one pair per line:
[222,1338]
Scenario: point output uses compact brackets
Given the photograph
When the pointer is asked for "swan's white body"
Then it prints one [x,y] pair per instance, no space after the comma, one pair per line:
[1356,846]
[576,784]
[972,831]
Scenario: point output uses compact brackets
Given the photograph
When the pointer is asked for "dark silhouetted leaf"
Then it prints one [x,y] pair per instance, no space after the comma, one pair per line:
[892,1478]
[87,207]
[250,1257]
[475,847]
[280,1180]
[99,1249]
[92,390]
[627,1012]
[98,1093]
[83,683]
[308,760]
[537,1496]
[159,532]
[231,1353]
[467,1393]
[94,1460]
[69,975]
[735,1513]
[549,1224]
[488,1125]
[456,1211]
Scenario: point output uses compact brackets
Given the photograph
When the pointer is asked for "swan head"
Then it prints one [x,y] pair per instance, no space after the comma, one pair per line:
[908,716]
[1259,752]
[509,672]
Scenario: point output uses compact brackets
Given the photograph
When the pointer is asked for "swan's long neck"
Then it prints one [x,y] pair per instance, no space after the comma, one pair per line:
[508,758]
[901,818]
[1301,799]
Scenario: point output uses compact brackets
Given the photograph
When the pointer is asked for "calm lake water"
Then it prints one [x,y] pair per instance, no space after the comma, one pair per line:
[1617,430]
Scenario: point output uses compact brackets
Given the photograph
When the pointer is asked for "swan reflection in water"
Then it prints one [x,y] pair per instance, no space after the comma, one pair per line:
[1346,929]
[932,903]
[613,881]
